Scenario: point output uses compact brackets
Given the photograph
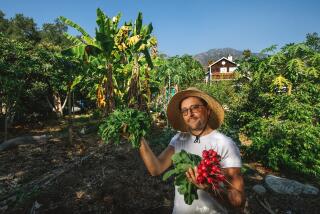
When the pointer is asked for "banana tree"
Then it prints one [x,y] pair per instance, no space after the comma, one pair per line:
[102,50]
[139,43]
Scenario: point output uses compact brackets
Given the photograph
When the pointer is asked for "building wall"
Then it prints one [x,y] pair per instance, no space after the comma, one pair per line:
[222,70]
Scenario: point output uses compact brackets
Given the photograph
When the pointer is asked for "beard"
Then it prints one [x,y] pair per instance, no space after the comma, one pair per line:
[195,124]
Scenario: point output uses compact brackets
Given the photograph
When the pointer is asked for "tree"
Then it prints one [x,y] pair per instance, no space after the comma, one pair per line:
[23,29]
[180,71]
[100,51]
[54,33]
[18,62]
[246,53]
[112,50]
[4,23]
[139,42]
[313,41]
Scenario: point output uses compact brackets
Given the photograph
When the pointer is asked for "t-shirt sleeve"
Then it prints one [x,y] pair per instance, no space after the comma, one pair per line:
[231,155]
[174,140]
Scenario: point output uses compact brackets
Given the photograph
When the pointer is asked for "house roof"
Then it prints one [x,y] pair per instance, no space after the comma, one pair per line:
[223,58]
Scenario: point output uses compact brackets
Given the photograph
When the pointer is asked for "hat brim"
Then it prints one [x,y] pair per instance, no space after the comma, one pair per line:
[175,117]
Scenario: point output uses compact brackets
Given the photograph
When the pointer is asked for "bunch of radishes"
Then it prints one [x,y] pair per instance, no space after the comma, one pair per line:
[209,169]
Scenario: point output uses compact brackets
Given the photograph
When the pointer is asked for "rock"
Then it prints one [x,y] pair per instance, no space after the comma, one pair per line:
[310,190]
[259,189]
[88,129]
[22,141]
[287,186]
[75,109]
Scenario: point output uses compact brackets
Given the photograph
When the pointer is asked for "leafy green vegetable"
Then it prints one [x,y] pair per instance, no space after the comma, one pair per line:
[127,123]
[182,162]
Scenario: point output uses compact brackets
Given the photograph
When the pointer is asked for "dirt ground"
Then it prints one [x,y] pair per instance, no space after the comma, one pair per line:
[92,177]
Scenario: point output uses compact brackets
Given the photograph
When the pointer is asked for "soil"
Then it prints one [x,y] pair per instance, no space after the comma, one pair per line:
[104,178]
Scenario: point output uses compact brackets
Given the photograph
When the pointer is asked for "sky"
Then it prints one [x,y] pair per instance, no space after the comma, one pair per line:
[190,26]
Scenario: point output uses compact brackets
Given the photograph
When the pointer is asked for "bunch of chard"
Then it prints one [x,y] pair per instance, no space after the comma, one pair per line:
[209,170]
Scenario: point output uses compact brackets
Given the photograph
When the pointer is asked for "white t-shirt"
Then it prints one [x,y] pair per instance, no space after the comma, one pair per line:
[230,157]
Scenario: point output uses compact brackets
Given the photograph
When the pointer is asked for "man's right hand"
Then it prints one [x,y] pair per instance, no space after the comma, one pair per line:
[192,175]
[155,165]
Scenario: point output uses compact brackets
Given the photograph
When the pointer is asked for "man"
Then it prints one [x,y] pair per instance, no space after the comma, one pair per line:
[197,116]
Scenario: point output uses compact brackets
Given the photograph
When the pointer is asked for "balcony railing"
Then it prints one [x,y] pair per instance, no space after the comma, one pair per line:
[223,76]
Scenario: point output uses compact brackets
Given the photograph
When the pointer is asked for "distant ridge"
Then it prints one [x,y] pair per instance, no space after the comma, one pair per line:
[217,53]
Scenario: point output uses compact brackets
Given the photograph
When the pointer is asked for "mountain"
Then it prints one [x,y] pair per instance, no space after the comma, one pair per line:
[215,54]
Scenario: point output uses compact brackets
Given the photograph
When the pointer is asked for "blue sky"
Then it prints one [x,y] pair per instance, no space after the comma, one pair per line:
[190,26]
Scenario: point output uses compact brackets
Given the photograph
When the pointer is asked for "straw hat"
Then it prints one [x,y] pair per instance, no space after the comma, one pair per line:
[175,117]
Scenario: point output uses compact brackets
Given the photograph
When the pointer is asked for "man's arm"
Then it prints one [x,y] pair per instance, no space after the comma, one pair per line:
[155,165]
[235,187]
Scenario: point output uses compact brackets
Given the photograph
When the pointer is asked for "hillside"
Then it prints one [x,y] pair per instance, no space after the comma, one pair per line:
[215,54]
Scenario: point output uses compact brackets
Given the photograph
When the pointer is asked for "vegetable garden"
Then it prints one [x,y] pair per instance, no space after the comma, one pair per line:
[122,86]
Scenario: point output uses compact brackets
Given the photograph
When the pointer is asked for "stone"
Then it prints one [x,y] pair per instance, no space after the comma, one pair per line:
[75,109]
[287,186]
[310,190]
[88,129]
[259,189]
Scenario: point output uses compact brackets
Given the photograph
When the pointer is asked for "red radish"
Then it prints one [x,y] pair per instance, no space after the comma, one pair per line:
[207,162]
[209,169]
[210,180]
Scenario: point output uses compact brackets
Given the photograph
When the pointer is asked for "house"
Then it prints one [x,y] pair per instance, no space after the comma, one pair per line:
[222,69]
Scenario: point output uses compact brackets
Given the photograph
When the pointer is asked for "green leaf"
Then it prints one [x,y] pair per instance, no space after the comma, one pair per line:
[137,123]
[74,25]
[76,81]
[138,24]
[168,174]
[76,51]
[148,58]
[182,161]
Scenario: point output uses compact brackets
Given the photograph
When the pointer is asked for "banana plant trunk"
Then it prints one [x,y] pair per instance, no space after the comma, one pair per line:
[147,88]
[134,92]
[109,94]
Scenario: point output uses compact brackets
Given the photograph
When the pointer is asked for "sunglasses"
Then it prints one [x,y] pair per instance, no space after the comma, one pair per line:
[193,109]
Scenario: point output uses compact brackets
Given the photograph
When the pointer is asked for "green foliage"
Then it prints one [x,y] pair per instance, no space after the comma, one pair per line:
[4,23]
[109,54]
[278,108]
[21,78]
[127,123]
[180,70]
[223,91]
[162,138]
[313,41]
[31,66]
[285,144]
[54,33]
[182,162]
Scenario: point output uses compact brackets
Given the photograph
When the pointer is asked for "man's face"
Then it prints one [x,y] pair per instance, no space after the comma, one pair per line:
[195,114]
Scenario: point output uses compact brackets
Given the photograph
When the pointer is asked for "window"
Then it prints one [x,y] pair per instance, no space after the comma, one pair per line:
[223,70]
